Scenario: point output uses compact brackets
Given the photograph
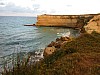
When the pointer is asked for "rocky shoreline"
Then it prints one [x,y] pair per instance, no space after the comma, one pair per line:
[67,56]
[55,45]
[92,26]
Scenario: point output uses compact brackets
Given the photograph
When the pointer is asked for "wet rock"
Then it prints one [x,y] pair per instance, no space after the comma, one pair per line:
[82,30]
[64,38]
[58,44]
[58,39]
[51,44]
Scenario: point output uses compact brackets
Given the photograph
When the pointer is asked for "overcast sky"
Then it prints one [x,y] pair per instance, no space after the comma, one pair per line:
[36,7]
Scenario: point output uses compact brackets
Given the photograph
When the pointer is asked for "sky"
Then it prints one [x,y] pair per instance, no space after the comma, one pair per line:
[55,7]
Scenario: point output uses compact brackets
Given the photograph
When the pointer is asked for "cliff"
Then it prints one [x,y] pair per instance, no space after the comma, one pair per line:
[73,21]
[93,25]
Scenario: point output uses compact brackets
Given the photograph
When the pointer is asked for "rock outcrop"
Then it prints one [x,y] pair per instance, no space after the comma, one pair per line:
[73,21]
[93,25]
[49,50]
[55,45]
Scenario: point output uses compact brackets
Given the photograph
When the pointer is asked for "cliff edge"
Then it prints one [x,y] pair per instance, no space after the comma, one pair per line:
[93,25]
[73,21]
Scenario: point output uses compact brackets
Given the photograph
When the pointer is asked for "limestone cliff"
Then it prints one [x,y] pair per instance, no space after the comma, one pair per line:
[93,25]
[73,21]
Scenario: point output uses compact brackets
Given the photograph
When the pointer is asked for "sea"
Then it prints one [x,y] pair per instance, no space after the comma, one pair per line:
[17,38]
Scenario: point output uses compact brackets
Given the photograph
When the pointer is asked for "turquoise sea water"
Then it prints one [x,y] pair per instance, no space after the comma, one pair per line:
[14,36]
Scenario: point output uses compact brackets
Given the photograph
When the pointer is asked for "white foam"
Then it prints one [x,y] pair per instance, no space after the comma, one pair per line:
[66,34]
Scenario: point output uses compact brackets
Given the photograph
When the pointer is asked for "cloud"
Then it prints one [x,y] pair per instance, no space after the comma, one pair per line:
[53,11]
[49,6]
[11,7]
[14,9]
[69,5]
[36,6]
[2,3]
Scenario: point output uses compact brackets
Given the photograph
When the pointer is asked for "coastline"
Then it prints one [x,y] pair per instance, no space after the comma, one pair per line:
[78,56]
[93,25]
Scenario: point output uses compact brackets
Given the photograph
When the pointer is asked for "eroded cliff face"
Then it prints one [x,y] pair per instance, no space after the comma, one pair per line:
[73,21]
[93,25]
[89,23]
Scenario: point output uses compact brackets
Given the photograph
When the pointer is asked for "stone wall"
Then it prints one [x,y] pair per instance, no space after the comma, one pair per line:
[75,21]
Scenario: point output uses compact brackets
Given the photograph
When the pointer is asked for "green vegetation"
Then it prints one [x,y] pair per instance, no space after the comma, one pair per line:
[85,43]
[78,57]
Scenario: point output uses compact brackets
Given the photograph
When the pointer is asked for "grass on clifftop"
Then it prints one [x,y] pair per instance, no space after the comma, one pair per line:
[78,57]
[85,43]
